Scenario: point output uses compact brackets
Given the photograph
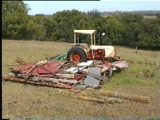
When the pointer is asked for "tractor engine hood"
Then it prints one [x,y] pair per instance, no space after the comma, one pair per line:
[109,50]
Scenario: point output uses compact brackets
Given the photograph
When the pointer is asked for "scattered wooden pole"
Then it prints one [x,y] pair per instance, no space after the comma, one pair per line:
[84,96]
[65,75]
[49,84]
[54,80]
[112,100]
[91,99]
[143,99]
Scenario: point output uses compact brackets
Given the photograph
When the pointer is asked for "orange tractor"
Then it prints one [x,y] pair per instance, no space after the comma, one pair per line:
[81,52]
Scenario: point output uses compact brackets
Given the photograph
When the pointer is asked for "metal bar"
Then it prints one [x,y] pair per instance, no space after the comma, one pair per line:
[74,38]
[94,39]
[91,40]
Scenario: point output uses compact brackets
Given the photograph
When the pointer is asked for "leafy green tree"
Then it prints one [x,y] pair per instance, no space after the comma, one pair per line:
[149,36]
[67,21]
[98,23]
[132,26]
[114,30]
[120,28]
[50,25]
[14,19]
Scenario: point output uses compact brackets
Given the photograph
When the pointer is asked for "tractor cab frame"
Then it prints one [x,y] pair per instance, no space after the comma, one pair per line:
[92,34]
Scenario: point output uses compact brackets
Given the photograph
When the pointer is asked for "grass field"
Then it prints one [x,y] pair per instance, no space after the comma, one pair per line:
[26,101]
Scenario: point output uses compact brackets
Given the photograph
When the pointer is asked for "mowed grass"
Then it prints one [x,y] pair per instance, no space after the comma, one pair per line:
[27,101]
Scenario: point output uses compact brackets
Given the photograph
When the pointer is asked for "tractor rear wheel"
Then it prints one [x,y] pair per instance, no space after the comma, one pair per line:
[77,54]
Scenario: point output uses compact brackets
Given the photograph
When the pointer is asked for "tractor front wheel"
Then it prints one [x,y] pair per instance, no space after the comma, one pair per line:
[77,54]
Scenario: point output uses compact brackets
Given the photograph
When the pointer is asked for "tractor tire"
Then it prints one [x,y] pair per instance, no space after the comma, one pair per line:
[77,54]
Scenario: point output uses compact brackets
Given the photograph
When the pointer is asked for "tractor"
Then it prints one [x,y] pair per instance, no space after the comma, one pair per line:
[81,52]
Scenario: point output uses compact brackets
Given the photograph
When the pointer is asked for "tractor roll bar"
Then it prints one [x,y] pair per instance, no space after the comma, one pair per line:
[90,32]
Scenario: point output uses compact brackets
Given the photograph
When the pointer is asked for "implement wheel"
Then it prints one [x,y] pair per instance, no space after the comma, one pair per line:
[77,54]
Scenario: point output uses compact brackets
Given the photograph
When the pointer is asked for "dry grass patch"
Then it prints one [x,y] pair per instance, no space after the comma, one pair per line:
[26,101]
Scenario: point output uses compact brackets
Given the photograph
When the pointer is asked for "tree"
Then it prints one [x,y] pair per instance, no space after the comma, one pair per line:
[121,28]
[114,30]
[149,36]
[132,26]
[66,21]
[14,19]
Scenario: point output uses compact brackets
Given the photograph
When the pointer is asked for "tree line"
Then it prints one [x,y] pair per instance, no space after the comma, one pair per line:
[120,29]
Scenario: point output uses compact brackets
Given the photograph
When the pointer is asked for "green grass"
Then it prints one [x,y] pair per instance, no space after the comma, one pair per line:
[29,51]
[141,69]
[26,101]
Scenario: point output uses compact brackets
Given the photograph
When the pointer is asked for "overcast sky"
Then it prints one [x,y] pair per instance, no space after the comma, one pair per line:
[50,7]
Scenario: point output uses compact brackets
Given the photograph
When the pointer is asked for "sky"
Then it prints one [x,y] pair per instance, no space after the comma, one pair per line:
[51,7]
